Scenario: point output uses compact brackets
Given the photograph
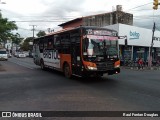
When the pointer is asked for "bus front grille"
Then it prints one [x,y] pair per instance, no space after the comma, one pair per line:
[105,66]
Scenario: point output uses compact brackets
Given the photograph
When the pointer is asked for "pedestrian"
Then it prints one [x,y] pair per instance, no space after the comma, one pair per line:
[158,63]
[140,63]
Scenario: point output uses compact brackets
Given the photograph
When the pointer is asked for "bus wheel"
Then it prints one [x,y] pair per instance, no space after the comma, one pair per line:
[66,70]
[42,65]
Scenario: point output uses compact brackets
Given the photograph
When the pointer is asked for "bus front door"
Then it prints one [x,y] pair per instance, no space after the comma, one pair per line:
[75,59]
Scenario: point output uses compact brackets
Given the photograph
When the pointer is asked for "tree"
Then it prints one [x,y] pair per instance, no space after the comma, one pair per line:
[16,38]
[5,28]
[25,46]
[41,33]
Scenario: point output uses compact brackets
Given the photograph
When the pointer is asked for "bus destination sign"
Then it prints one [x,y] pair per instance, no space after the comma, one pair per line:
[100,32]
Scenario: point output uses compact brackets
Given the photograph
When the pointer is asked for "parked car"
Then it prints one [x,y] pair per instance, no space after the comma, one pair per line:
[26,53]
[3,54]
[31,54]
[15,54]
[21,55]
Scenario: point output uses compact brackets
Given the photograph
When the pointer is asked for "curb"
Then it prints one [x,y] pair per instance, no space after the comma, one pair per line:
[145,68]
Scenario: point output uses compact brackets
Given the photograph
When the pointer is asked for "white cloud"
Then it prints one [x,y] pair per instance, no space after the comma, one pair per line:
[59,11]
[25,6]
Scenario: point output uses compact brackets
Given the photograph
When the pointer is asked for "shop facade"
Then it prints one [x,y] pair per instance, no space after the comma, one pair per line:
[139,43]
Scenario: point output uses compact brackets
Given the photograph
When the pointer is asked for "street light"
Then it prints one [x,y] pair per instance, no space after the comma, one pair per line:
[150,57]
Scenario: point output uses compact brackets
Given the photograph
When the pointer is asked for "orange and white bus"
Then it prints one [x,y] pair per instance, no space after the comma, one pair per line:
[81,51]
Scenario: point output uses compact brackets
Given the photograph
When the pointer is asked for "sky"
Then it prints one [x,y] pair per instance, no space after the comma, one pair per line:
[45,14]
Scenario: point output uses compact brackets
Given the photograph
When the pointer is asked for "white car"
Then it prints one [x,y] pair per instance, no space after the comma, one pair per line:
[21,55]
[26,53]
[15,54]
[3,54]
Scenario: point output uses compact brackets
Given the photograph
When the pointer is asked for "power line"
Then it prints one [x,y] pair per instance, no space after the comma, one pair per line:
[157,29]
[66,17]
[29,29]
[140,6]
[142,10]
[39,21]
[148,16]
[23,28]
[49,16]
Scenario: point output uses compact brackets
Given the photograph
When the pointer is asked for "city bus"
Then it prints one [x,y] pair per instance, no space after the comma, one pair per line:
[82,51]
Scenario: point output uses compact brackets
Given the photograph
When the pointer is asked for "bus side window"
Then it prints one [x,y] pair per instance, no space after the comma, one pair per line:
[57,43]
[50,43]
[53,42]
[65,43]
[41,47]
[45,45]
[85,44]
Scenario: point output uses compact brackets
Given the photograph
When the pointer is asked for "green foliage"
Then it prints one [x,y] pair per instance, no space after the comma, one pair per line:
[6,27]
[16,38]
[41,33]
[25,46]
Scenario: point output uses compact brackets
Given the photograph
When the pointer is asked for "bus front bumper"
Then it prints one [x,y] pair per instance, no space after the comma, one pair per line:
[101,72]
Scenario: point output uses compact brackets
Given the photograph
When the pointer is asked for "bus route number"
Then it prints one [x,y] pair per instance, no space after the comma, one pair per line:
[51,54]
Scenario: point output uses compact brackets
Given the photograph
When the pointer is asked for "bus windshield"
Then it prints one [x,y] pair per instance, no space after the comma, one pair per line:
[94,46]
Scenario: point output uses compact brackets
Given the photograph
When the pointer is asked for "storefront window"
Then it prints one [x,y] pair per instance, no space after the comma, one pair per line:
[158,54]
[127,53]
[140,53]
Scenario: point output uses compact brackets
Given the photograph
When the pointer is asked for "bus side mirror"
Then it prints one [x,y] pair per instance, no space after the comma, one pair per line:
[125,40]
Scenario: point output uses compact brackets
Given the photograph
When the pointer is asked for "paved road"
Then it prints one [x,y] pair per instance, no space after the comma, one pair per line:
[25,87]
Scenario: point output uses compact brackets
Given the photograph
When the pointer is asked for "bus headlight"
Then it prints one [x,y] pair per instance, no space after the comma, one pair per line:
[91,68]
[117,66]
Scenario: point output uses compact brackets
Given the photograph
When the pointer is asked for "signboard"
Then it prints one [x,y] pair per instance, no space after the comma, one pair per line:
[101,32]
[137,36]
[156,38]
[102,37]
[134,35]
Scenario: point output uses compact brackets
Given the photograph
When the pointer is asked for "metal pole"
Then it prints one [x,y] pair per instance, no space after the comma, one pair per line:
[150,58]
[33,29]
[132,54]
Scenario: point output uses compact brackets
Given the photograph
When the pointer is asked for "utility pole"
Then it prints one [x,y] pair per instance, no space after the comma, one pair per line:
[30,45]
[150,57]
[33,29]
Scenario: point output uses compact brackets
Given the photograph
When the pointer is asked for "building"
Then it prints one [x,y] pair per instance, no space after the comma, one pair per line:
[8,45]
[101,20]
[139,39]
[139,42]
